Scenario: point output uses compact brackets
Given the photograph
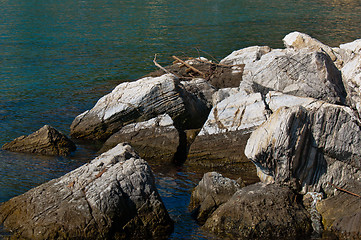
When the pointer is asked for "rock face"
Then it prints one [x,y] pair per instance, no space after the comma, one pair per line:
[140,101]
[341,213]
[156,138]
[261,211]
[315,145]
[112,197]
[212,191]
[46,141]
[221,141]
[298,73]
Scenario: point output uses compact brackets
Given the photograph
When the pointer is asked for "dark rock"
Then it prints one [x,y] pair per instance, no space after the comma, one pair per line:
[46,141]
[155,139]
[212,191]
[261,211]
[112,197]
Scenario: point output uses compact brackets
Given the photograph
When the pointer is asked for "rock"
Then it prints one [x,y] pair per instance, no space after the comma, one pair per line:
[156,138]
[297,41]
[211,192]
[314,145]
[112,197]
[202,89]
[221,141]
[140,101]
[341,213]
[354,46]
[351,74]
[261,211]
[244,56]
[46,141]
[298,73]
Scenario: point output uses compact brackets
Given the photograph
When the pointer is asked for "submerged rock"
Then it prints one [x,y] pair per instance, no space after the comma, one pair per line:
[112,197]
[139,101]
[156,138]
[261,211]
[211,192]
[45,141]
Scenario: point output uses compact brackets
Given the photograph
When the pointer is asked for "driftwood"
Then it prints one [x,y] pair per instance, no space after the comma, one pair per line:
[344,190]
[158,65]
[189,66]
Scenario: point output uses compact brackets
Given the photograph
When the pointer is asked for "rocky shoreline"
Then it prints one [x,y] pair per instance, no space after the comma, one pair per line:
[291,116]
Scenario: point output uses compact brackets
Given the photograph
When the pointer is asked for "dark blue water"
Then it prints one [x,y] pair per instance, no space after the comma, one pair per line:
[58,57]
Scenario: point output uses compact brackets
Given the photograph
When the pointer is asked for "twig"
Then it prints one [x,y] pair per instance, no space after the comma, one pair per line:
[207,54]
[158,65]
[344,190]
[189,66]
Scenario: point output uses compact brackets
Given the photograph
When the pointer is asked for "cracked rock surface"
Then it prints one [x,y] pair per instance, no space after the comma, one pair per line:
[112,197]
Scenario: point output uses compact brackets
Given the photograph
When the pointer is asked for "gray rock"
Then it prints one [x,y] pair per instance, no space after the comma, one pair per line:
[156,138]
[261,211]
[221,141]
[45,141]
[314,145]
[112,197]
[202,89]
[140,101]
[211,192]
[298,73]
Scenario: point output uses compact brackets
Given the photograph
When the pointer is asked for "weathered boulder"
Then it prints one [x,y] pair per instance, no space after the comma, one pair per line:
[298,41]
[351,74]
[299,73]
[139,101]
[341,214]
[315,144]
[45,141]
[354,46]
[156,138]
[221,141]
[211,192]
[112,197]
[261,211]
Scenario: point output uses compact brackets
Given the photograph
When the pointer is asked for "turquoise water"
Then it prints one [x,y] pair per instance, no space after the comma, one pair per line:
[58,57]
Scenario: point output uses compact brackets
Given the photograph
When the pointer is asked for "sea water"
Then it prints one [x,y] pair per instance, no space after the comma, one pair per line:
[57,57]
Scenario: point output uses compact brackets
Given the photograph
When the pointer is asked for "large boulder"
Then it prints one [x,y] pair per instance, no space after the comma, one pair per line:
[112,197]
[261,211]
[45,141]
[156,138]
[299,73]
[222,138]
[139,101]
[315,144]
[211,192]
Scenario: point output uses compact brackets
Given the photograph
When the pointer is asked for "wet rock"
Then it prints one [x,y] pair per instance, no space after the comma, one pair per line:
[221,141]
[140,101]
[298,73]
[156,138]
[45,141]
[112,197]
[341,213]
[351,74]
[211,192]
[261,211]
[315,144]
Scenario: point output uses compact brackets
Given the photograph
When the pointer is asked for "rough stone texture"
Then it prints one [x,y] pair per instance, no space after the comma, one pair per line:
[341,213]
[297,41]
[354,46]
[112,197]
[45,141]
[351,74]
[211,192]
[202,89]
[221,141]
[299,73]
[140,101]
[261,211]
[156,138]
[315,145]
